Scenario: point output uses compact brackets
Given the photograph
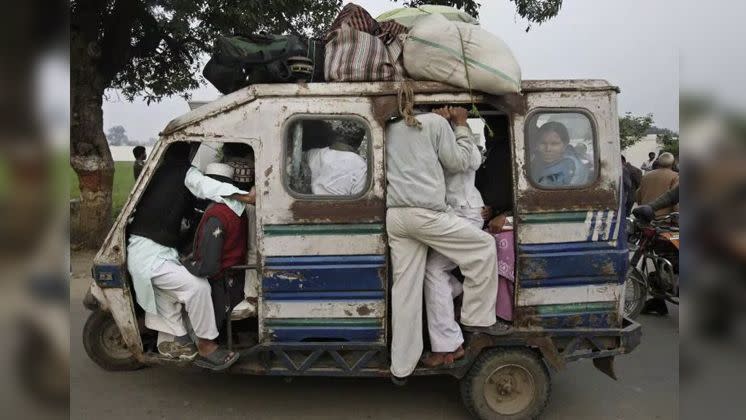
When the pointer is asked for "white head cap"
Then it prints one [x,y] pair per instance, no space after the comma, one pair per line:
[220,169]
[666,160]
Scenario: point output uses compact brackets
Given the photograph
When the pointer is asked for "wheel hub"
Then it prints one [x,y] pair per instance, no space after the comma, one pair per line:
[113,342]
[509,389]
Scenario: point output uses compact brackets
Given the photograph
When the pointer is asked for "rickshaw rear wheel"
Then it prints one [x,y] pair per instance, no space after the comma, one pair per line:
[104,344]
[507,384]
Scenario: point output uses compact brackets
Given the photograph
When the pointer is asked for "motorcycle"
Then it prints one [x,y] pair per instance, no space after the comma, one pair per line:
[654,265]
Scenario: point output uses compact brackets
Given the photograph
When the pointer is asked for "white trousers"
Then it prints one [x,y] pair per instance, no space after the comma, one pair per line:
[441,287]
[411,231]
[174,286]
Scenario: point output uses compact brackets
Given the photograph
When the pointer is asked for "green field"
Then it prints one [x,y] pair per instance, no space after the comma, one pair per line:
[123,182]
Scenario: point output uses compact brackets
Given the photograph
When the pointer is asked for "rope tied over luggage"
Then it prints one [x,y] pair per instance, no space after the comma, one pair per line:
[405,96]
[474,110]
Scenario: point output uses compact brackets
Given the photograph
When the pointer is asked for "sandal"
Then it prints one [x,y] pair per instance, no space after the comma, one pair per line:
[217,361]
[175,350]
[433,359]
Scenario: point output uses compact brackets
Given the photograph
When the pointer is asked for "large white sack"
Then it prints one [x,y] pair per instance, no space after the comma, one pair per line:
[408,16]
[432,51]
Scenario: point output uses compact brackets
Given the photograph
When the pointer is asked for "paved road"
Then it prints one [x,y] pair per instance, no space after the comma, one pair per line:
[647,389]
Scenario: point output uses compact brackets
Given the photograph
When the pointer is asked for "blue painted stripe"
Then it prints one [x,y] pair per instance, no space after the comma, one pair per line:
[613,225]
[572,264]
[566,247]
[322,278]
[324,273]
[570,281]
[593,225]
[344,334]
[325,260]
[325,296]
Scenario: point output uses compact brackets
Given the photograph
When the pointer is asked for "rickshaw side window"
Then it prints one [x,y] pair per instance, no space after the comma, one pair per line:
[327,157]
[561,148]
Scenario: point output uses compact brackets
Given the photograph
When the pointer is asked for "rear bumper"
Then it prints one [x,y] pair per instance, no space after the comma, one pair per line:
[630,337]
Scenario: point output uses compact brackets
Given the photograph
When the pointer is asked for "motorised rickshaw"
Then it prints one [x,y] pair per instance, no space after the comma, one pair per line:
[319,265]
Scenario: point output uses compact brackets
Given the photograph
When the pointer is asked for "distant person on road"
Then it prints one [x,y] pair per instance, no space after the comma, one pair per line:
[632,177]
[140,156]
[647,166]
[657,182]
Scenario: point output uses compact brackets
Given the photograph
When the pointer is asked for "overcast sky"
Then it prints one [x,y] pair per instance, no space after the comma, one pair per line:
[630,43]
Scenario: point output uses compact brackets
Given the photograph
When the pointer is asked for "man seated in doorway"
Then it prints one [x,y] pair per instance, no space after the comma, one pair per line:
[336,168]
[220,243]
[162,285]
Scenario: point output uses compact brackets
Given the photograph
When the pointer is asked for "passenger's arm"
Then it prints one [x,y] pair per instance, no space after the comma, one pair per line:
[456,149]
[207,188]
[210,249]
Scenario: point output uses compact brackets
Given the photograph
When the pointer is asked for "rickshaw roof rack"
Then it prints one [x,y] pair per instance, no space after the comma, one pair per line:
[300,89]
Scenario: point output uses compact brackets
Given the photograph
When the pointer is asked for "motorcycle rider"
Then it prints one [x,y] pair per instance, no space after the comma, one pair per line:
[647,213]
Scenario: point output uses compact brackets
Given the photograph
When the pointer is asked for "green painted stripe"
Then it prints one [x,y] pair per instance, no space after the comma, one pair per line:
[565,217]
[330,229]
[576,308]
[460,56]
[323,322]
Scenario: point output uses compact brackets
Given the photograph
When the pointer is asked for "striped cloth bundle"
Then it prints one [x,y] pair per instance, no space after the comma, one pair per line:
[359,49]
[357,56]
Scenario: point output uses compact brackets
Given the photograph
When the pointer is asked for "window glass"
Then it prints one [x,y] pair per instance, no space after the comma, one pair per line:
[327,157]
[561,150]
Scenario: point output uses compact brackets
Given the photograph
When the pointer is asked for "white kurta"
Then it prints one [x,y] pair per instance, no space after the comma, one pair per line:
[335,172]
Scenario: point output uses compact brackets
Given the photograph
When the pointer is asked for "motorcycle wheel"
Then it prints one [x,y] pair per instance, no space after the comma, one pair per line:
[635,293]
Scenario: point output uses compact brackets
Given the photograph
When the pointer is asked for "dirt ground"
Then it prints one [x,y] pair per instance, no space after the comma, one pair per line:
[647,388]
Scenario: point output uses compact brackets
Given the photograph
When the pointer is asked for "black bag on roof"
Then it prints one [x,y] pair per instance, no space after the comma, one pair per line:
[238,61]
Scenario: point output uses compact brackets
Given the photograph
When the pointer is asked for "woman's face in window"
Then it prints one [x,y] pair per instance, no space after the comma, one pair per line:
[551,148]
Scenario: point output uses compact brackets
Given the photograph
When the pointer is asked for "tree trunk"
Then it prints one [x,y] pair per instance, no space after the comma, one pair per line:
[90,156]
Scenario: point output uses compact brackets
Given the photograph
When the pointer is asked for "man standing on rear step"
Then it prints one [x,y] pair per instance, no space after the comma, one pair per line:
[418,151]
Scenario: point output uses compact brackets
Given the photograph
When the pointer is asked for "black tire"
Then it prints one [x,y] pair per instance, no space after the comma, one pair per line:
[635,293]
[507,384]
[104,345]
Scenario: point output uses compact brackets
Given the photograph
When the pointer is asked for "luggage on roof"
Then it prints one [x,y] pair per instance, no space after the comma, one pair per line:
[460,54]
[238,61]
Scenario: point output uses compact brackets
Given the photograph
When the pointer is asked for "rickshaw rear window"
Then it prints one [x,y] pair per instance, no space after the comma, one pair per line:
[561,148]
[327,157]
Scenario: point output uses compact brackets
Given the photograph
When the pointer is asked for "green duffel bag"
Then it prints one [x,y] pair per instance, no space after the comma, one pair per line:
[238,61]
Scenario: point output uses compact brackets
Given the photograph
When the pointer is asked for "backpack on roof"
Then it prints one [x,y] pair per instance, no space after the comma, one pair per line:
[238,61]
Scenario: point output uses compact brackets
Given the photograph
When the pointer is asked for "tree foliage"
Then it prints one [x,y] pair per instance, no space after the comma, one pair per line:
[669,143]
[633,128]
[154,48]
[117,136]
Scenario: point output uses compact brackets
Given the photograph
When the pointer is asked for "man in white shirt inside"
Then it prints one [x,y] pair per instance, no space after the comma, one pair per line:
[338,169]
